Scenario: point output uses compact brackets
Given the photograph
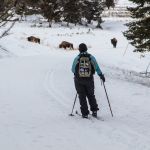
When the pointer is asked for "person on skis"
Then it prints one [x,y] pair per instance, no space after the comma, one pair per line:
[84,67]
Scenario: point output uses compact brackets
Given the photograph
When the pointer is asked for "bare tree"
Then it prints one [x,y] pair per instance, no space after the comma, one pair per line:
[6,15]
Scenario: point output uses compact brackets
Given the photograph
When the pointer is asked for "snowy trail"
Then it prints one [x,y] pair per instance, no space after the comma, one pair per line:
[34,113]
[37,92]
[130,131]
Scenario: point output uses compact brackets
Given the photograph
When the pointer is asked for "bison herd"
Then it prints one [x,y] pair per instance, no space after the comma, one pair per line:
[65,44]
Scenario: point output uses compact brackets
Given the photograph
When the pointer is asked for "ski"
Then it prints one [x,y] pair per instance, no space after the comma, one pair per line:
[77,113]
[90,117]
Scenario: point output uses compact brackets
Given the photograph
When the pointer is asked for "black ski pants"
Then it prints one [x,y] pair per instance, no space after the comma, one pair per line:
[85,89]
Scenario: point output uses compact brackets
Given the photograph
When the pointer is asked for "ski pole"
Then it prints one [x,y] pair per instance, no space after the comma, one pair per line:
[126,49]
[73,105]
[107,99]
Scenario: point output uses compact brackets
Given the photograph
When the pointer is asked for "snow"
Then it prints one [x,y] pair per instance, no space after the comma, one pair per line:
[124,3]
[37,91]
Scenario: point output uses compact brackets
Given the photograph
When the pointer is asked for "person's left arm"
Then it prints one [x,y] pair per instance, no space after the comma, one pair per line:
[96,66]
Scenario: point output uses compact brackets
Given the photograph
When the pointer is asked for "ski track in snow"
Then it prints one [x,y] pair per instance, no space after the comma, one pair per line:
[130,76]
[54,92]
[5,53]
[124,134]
[56,127]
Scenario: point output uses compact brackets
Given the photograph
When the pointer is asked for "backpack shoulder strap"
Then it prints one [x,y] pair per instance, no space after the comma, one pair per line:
[84,55]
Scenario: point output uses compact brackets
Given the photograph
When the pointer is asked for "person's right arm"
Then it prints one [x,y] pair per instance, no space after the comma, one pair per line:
[74,64]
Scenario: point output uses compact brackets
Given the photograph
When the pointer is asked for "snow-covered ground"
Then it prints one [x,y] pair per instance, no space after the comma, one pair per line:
[120,9]
[37,91]
[124,3]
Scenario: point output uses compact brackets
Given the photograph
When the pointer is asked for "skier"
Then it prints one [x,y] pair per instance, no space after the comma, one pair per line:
[84,67]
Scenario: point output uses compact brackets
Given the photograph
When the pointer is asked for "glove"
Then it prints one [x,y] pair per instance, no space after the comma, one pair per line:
[102,77]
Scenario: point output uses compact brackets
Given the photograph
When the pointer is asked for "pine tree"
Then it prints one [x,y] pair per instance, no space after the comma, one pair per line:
[92,11]
[139,29]
[71,13]
[27,7]
[98,6]
[51,10]
[109,3]
[33,7]
[21,8]
[87,11]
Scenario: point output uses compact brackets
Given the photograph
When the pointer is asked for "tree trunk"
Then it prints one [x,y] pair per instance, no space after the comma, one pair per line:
[50,23]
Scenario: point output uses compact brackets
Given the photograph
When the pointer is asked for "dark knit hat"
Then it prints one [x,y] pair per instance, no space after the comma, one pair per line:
[82,47]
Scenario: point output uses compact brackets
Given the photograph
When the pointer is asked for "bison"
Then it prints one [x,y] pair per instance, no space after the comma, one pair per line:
[65,45]
[33,39]
[114,42]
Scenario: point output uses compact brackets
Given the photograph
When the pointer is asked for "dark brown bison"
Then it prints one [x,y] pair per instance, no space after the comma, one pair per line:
[33,39]
[65,45]
[114,42]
